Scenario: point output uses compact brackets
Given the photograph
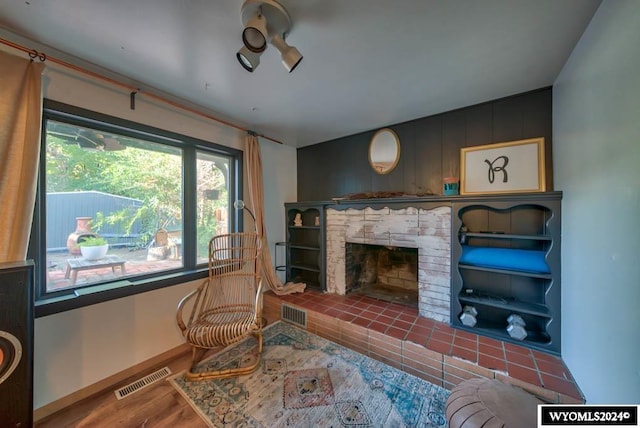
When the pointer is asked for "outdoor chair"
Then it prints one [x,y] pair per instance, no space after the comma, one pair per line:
[227,306]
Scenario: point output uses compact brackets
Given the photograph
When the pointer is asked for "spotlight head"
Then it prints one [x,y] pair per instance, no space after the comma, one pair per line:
[291,57]
[249,60]
[254,35]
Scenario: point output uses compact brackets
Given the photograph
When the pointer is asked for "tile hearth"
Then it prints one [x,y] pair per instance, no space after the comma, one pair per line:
[432,350]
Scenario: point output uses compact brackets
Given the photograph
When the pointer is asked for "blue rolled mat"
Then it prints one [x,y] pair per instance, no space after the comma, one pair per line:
[505,258]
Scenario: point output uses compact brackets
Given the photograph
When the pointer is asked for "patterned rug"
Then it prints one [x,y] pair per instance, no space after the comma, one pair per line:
[307,381]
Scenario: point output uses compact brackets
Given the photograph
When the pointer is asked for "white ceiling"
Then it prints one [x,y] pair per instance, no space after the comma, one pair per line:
[367,63]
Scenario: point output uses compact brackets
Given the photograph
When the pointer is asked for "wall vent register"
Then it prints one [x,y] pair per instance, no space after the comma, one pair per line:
[143,382]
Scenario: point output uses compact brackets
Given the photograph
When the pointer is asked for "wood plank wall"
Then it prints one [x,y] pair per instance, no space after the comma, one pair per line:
[430,148]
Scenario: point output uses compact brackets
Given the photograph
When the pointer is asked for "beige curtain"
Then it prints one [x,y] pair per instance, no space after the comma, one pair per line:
[20,114]
[256,198]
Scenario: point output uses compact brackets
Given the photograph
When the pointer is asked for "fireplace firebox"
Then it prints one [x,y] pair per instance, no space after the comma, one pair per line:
[388,273]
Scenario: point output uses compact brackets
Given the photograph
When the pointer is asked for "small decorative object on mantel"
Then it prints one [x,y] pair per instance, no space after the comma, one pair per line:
[317,222]
[450,186]
[297,221]
[515,166]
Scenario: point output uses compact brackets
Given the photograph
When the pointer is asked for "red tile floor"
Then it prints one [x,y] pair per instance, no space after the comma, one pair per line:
[543,373]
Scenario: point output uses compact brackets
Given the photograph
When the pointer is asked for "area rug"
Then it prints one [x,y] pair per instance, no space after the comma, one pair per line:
[307,381]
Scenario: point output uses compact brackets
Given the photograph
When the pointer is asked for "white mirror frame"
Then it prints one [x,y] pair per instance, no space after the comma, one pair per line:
[384,151]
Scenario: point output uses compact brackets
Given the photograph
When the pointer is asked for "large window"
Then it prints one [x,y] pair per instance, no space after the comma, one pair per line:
[121,205]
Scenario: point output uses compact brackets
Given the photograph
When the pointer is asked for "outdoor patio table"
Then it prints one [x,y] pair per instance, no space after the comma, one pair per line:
[76,265]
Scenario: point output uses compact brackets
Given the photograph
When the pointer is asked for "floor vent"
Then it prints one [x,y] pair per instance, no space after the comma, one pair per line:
[293,315]
[141,383]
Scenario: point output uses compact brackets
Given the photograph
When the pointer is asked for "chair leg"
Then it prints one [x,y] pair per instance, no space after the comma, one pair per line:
[239,371]
[258,335]
[196,355]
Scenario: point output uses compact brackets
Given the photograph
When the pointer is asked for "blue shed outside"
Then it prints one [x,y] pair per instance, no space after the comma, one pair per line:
[64,207]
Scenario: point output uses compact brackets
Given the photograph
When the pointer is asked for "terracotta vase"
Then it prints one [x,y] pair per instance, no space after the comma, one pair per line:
[83,228]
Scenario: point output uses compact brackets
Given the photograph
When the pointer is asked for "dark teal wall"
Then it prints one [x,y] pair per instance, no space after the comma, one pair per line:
[430,148]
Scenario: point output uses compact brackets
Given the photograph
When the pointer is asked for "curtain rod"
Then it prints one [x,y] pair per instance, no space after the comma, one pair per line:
[33,54]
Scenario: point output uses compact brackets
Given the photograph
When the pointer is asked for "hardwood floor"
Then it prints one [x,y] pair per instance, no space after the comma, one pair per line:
[157,405]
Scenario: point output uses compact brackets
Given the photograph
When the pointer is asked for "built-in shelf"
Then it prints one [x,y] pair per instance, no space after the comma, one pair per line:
[509,304]
[305,244]
[500,235]
[517,287]
[506,271]
[312,268]
[304,247]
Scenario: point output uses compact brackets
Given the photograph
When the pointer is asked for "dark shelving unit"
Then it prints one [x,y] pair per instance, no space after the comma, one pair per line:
[305,244]
[523,222]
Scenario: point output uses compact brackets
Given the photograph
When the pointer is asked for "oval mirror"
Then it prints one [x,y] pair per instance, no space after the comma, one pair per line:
[384,151]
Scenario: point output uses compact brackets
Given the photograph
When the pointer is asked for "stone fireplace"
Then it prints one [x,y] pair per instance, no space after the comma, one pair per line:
[426,230]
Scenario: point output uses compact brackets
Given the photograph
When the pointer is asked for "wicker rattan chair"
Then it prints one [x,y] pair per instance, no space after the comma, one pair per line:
[228,305]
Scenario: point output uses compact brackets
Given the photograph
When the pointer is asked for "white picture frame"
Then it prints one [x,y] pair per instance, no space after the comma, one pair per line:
[510,167]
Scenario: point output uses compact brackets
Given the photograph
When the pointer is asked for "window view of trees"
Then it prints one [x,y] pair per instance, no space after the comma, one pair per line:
[139,171]
[131,189]
[213,176]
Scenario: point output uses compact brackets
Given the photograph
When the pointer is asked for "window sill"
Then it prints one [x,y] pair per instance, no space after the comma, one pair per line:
[100,293]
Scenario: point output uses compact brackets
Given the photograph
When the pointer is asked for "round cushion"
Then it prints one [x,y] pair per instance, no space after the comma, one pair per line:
[490,403]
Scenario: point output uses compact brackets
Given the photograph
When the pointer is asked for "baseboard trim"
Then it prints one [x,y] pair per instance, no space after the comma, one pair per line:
[107,383]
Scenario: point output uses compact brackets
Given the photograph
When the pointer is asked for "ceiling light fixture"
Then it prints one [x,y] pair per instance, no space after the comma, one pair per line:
[254,35]
[265,21]
[249,60]
[291,57]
